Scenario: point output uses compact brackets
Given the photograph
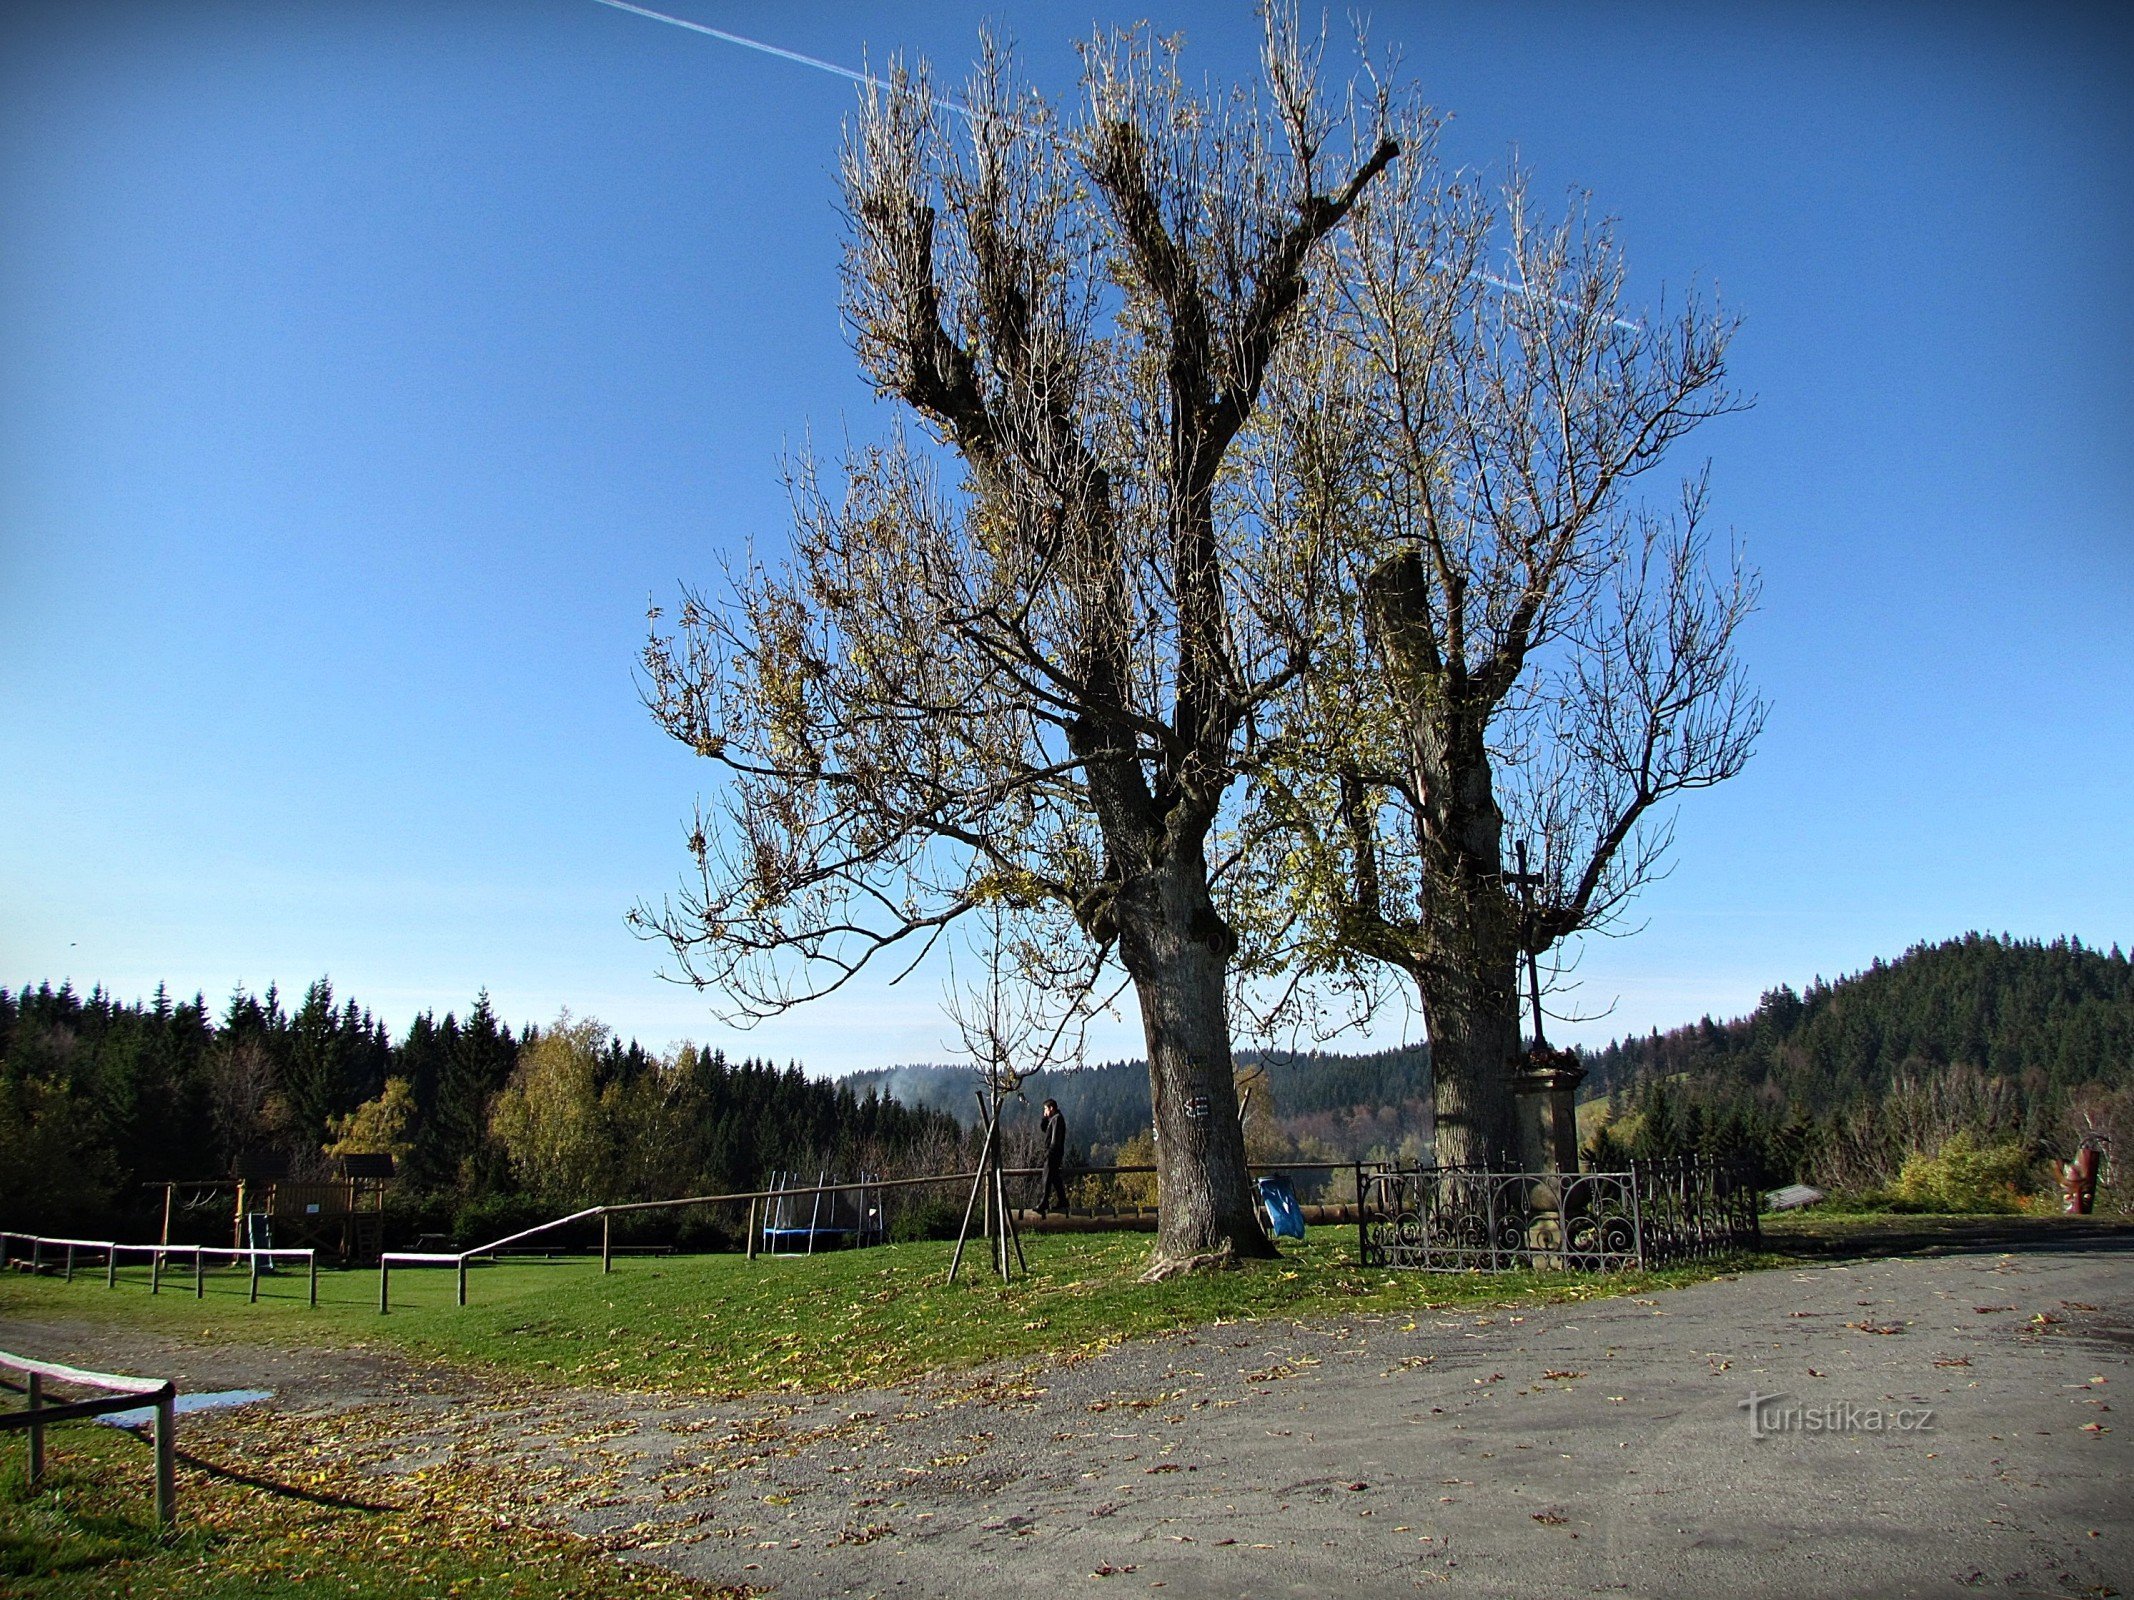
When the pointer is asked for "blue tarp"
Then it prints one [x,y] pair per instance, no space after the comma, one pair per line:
[1284,1219]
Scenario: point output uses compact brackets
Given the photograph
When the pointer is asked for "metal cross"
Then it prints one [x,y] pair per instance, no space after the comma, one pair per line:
[1528,882]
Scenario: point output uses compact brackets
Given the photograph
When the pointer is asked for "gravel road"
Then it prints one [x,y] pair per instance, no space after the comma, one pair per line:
[1933,1425]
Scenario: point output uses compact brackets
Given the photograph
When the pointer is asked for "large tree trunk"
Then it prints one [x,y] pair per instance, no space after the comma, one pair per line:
[1470,982]
[1471,1010]
[1177,950]
[1466,963]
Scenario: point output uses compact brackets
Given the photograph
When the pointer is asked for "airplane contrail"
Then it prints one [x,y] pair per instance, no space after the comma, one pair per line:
[794,56]
[1501,285]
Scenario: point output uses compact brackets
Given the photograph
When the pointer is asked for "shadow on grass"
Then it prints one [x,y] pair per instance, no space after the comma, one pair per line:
[281,1491]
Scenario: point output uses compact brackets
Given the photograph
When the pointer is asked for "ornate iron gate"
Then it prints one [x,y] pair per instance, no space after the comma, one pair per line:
[1461,1219]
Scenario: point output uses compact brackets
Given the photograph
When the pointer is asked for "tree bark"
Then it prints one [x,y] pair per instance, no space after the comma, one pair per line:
[1177,949]
[1466,962]
[1469,977]
[1471,1011]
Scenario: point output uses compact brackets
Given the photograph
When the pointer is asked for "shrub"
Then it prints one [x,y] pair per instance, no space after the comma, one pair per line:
[491,1217]
[934,1217]
[1965,1175]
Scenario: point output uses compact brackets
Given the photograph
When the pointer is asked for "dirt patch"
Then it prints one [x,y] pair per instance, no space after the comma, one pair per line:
[303,1379]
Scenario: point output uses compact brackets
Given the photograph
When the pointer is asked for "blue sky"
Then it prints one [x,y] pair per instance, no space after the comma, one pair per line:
[365,369]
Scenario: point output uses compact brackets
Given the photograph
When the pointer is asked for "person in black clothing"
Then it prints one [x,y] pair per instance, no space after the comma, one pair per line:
[1054,1127]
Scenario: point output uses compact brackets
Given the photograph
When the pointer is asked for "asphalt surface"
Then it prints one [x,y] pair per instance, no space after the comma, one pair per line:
[1969,1445]
[1596,1449]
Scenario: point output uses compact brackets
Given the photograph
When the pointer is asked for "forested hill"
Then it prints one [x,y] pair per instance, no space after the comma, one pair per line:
[2046,1018]
[1339,1106]
[2040,1019]
[492,1128]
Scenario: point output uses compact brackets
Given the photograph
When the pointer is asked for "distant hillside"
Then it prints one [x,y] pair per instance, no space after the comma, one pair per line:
[1345,1106]
[2044,1018]
[1996,1037]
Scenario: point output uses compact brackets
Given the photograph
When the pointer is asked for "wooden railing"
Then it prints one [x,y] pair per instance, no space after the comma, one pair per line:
[458,1259]
[65,1251]
[122,1394]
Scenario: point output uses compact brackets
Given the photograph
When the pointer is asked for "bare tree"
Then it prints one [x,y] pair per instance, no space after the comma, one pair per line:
[1528,654]
[1024,660]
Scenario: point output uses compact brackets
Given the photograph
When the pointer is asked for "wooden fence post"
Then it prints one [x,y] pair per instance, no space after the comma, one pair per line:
[314,1279]
[166,1449]
[111,1267]
[199,1272]
[752,1227]
[607,1243]
[460,1272]
[36,1398]
[384,1272]
[255,1274]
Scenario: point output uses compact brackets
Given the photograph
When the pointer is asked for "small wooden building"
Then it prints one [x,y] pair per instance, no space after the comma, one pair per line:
[342,1216]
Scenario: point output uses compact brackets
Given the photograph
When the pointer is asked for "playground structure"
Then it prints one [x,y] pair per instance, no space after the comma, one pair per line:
[342,1217]
[835,1216]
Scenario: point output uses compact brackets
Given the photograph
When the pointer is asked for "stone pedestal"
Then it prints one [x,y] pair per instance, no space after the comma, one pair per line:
[1546,1088]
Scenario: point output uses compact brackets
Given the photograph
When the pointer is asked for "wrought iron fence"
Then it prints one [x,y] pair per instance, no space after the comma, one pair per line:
[1463,1219]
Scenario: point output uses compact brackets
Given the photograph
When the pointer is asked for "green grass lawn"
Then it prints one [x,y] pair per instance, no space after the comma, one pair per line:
[723,1325]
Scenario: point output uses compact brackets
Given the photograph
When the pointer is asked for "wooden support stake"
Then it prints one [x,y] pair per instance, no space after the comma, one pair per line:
[607,1243]
[1015,1233]
[155,1272]
[314,1279]
[752,1227]
[460,1271]
[978,1183]
[199,1272]
[1000,1206]
[111,1267]
[384,1293]
[255,1276]
[70,1263]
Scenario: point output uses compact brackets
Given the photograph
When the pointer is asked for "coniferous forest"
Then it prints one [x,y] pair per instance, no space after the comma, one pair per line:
[2003,1052]
[1979,1044]
[102,1100]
